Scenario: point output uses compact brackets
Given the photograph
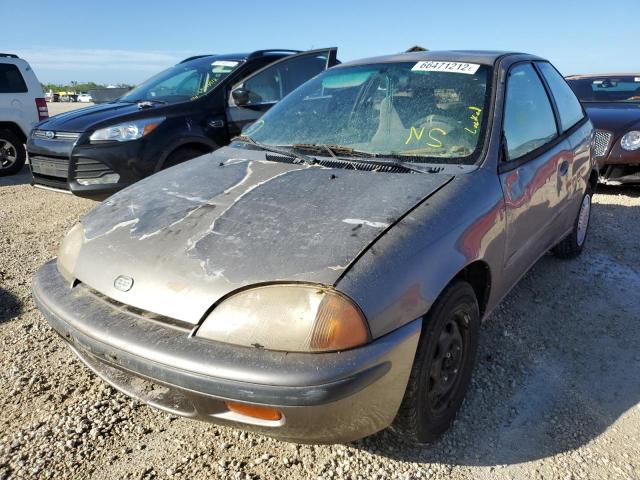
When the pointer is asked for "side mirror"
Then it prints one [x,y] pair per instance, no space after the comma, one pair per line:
[240,96]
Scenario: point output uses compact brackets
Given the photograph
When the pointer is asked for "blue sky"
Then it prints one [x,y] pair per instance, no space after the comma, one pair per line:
[127,41]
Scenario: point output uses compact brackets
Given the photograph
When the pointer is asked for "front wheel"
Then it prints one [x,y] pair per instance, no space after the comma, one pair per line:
[571,246]
[442,367]
[12,153]
[182,155]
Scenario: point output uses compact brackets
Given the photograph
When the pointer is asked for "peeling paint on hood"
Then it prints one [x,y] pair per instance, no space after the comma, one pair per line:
[232,219]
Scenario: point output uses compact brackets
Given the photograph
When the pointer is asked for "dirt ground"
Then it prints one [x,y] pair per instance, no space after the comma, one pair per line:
[60,107]
[555,393]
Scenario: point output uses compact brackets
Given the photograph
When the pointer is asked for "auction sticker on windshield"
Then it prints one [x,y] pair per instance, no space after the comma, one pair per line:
[452,67]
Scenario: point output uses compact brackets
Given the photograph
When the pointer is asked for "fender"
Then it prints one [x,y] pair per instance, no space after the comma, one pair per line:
[12,126]
[394,282]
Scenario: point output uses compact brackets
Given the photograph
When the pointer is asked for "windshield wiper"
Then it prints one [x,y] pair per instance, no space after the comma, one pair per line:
[406,165]
[379,159]
[268,148]
[334,150]
[146,103]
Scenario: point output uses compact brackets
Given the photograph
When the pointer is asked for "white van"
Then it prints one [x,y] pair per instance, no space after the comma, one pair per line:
[22,105]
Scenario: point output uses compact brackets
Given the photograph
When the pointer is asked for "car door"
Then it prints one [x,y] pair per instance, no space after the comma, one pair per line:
[534,160]
[254,95]
[571,116]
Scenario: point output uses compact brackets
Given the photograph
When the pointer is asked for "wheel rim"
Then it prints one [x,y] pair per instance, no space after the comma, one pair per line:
[8,153]
[583,219]
[447,362]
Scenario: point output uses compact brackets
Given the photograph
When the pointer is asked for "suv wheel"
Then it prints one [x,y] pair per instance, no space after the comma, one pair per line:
[182,155]
[12,153]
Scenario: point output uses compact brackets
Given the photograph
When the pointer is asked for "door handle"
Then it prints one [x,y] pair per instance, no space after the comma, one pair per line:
[564,168]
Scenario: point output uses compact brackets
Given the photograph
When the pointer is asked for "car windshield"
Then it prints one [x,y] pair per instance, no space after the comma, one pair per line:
[426,111]
[183,82]
[606,89]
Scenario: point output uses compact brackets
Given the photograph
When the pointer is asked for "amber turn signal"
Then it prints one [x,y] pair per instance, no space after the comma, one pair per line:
[339,325]
[150,127]
[255,411]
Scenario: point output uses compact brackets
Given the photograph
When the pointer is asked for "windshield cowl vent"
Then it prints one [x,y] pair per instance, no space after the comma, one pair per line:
[344,165]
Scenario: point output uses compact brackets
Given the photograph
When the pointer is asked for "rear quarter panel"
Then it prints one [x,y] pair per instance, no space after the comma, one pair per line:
[583,164]
[20,108]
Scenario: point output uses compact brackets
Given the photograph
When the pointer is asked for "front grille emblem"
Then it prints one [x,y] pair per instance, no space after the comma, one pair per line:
[49,134]
[123,283]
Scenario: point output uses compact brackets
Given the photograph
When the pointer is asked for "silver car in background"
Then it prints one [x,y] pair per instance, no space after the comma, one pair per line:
[324,277]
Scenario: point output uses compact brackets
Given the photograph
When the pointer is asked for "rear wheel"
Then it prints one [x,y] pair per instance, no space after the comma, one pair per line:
[571,246]
[442,367]
[12,153]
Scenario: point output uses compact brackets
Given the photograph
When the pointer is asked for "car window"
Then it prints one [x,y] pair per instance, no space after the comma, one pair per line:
[186,81]
[568,105]
[275,82]
[11,80]
[607,89]
[427,111]
[529,121]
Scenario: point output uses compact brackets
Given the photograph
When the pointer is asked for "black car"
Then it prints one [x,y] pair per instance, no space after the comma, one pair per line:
[183,112]
[612,102]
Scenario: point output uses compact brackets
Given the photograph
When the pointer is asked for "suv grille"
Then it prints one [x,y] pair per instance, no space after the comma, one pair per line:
[55,135]
[50,171]
[89,168]
[601,143]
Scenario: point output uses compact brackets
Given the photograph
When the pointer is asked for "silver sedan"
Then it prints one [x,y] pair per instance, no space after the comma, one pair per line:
[325,276]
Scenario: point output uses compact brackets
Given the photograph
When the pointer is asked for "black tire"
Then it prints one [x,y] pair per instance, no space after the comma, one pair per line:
[572,245]
[424,415]
[12,153]
[182,155]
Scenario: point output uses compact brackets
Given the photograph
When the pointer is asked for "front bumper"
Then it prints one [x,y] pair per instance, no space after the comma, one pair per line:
[619,166]
[64,165]
[324,398]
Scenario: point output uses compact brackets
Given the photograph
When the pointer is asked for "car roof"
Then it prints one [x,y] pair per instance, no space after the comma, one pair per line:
[13,59]
[600,75]
[275,53]
[483,57]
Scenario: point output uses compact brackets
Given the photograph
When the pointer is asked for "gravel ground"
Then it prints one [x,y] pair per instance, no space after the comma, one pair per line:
[555,393]
[60,107]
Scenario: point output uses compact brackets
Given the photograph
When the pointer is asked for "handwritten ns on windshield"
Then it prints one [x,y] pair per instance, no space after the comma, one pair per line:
[451,67]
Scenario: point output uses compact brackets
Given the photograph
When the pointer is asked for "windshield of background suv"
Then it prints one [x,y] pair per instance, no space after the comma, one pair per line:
[183,82]
[430,110]
[607,89]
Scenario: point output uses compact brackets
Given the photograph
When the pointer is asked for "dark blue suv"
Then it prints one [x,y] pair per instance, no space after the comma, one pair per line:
[183,112]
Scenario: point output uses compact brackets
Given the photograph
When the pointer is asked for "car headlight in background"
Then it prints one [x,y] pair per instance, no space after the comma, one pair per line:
[630,140]
[125,132]
[69,251]
[287,317]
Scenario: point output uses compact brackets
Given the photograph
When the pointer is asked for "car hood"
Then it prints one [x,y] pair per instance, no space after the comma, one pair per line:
[192,234]
[613,117]
[84,118]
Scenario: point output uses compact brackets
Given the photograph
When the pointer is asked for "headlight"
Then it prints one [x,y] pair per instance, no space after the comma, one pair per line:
[292,318]
[630,140]
[69,251]
[126,131]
